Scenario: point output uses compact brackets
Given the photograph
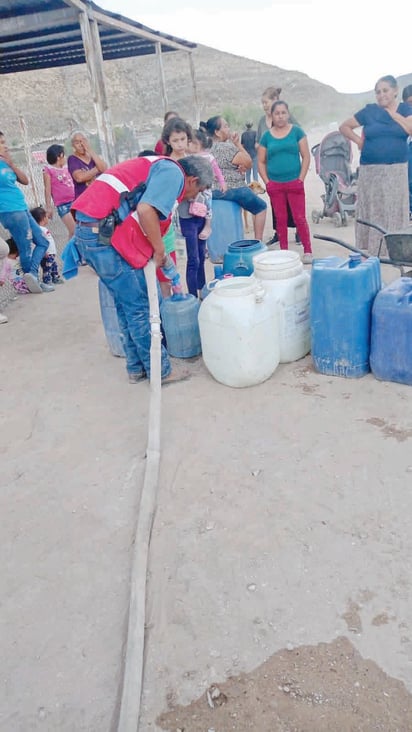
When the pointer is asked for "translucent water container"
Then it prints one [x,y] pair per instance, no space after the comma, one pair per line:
[227,226]
[238,260]
[179,315]
[237,324]
[110,321]
[288,288]
[391,340]
[342,293]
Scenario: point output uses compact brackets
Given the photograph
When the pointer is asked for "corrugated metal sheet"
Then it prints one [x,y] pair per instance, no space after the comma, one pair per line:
[38,34]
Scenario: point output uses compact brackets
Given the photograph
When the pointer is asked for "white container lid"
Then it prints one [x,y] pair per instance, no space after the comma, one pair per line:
[236,286]
[278,265]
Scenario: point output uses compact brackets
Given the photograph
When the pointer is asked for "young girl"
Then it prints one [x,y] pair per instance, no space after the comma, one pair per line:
[200,145]
[177,136]
[49,262]
[58,186]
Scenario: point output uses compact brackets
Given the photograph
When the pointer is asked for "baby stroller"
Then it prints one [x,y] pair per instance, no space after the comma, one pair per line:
[333,158]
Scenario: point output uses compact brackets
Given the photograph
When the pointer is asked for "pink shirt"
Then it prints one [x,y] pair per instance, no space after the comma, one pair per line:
[215,167]
[62,186]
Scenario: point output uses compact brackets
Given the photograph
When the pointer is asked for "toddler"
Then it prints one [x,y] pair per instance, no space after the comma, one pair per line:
[200,145]
[49,262]
[14,270]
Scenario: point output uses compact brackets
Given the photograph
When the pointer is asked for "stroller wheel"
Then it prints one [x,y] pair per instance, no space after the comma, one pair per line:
[345,219]
[316,216]
[337,219]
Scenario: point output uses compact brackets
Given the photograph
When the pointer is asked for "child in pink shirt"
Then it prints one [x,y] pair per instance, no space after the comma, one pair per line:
[59,186]
[200,145]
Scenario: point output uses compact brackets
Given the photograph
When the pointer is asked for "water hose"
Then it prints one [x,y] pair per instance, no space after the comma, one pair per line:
[383,260]
[133,666]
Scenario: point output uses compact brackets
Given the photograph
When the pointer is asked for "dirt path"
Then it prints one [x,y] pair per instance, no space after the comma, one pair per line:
[280,563]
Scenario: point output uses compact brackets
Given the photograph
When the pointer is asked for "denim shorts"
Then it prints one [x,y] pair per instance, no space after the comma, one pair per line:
[64,208]
[244,196]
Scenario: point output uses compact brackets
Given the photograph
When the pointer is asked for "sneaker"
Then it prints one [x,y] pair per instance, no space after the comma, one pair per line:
[273,240]
[3,318]
[307,258]
[134,378]
[32,283]
[178,373]
[58,281]
[46,288]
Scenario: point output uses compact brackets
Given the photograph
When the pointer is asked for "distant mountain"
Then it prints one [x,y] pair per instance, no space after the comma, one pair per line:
[56,101]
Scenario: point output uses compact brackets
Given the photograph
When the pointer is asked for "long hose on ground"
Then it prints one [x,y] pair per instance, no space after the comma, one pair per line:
[133,668]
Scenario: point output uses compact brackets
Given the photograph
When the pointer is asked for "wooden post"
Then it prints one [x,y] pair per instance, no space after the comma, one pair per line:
[195,97]
[94,61]
[162,76]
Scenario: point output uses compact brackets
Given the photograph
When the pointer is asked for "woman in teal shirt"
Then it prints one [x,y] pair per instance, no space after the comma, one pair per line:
[15,216]
[283,160]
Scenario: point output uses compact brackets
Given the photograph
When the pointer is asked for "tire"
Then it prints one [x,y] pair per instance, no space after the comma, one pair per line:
[337,219]
[316,216]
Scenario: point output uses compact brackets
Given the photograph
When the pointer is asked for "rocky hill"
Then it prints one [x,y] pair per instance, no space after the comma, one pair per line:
[56,101]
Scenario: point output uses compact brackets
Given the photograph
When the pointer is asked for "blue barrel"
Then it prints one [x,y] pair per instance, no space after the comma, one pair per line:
[391,341]
[227,226]
[341,298]
[110,321]
[238,260]
[179,315]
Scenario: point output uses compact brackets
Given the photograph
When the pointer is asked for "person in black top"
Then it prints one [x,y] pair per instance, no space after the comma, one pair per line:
[248,140]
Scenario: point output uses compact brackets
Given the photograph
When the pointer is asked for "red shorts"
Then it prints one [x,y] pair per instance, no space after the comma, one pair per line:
[159,274]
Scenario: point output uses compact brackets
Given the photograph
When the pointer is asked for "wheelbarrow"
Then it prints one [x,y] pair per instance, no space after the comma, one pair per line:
[398,244]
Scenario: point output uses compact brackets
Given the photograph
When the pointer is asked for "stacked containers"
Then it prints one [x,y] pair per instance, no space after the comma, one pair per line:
[227,226]
[391,339]
[342,294]
[238,260]
[237,326]
[288,289]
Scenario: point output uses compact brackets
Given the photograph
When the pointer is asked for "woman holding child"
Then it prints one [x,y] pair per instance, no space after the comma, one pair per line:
[233,161]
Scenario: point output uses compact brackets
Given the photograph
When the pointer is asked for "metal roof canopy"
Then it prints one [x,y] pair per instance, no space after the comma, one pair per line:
[39,34]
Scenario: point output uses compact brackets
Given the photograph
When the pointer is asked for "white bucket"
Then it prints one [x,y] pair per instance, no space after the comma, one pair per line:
[238,329]
[288,290]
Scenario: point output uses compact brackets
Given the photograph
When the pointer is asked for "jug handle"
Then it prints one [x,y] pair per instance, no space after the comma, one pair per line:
[212,283]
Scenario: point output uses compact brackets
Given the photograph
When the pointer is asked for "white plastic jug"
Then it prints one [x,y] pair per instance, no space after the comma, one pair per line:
[237,330]
[288,290]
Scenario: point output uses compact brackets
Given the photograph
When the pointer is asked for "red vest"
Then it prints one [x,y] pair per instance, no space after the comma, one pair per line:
[99,200]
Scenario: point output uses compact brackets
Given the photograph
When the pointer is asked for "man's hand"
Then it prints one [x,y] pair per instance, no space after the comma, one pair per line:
[159,258]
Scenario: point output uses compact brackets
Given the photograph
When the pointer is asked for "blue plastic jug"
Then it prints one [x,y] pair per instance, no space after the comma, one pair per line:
[227,226]
[179,315]
[391,341]
[341,298]
[110,321]
[238,260]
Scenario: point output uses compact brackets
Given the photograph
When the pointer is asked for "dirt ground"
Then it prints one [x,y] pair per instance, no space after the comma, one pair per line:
[279,588]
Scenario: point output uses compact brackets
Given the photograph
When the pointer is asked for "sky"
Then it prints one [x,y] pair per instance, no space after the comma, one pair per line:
[347,45]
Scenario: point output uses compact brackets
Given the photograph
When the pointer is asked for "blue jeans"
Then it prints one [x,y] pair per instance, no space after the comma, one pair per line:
[25,232]
[195,249]
[244,196]
[129,290]
[252,173]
